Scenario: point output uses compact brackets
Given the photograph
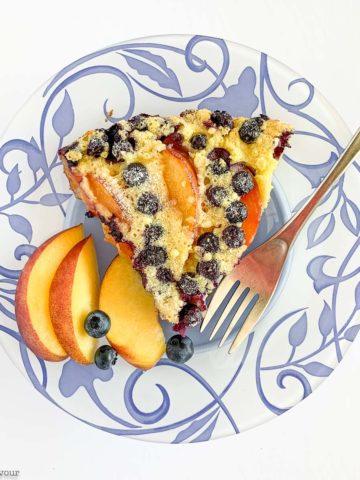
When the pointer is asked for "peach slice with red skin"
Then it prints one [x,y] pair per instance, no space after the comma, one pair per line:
[74,293]
[32,307]
[135,331]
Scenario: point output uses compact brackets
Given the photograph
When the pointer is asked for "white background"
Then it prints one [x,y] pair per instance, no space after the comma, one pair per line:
[316,440]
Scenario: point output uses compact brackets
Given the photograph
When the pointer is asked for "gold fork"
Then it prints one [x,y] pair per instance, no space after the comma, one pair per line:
[251,285]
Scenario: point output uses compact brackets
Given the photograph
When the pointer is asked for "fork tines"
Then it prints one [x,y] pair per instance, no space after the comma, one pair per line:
[239,306]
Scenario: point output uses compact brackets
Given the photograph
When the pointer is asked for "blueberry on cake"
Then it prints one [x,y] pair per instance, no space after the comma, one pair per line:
[181,195]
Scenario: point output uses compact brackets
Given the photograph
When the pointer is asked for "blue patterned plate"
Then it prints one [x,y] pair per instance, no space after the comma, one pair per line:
[313,319]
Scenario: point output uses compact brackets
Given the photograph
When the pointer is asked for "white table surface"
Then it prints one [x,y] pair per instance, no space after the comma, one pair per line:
[316,440]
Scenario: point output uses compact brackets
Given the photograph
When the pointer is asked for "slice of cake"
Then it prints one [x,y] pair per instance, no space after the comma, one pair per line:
[181,195]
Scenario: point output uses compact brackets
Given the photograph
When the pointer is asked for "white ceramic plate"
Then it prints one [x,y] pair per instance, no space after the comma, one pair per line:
[312,320]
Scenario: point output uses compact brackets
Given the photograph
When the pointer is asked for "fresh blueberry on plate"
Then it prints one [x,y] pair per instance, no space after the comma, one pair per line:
[105,356]
[97,324]
[179,349]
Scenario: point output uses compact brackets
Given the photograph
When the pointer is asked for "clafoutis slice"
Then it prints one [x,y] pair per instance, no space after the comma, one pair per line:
[181,195]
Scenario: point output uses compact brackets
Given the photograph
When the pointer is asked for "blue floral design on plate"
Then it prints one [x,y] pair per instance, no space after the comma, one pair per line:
[297,344]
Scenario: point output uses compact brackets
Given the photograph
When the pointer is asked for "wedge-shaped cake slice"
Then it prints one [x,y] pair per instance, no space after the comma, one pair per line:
[181,195]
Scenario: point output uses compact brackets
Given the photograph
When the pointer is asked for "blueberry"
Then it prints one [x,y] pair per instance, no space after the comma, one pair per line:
[148,203]
[114,230]
[242,182]
[179,349]
[135,174]
[164,275]
[89,214]
[198,141]
[208,242]
[236,212]
[153,233]
[118,144]
[188,285]
[139,122]
[151,256]
[190,316]
[216,195]
[219,167]
[222,119]
[218,153]
[105,356]
[97,324]
[209,270]
[220,159]
[233,236]
[113,133]
[119,147]
[96,146]
[250,130]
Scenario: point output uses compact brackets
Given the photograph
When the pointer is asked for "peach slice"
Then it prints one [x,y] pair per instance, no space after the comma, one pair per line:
[126,249]
[135,332]
[74,293]
[183,187]
[252,200]
[32,294]
[104,197]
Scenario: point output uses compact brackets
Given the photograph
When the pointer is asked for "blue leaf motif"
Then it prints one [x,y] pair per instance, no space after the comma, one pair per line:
[74,376]
[350,333]
[302,202]
[299,205]
[206,434]
[13,181]
[24,250]
[8,290]
[352,225]
[297,332]
[9,273]
[20,225]
[35,157]
[357,296]
[63,119]
[239,99]
[317,369]
[16,144]
[314,237]
[8,299]
[7,312]
[314,173]
[165,76]
[50,199]
[8,282]
[315,270]
[194,427]
[326,320]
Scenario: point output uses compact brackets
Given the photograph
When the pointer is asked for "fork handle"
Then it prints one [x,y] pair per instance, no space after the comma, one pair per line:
[291,229]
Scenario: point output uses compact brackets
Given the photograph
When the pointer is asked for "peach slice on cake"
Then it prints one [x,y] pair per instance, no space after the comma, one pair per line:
[182,184]
[135,332]
[74,294]
[32,294]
